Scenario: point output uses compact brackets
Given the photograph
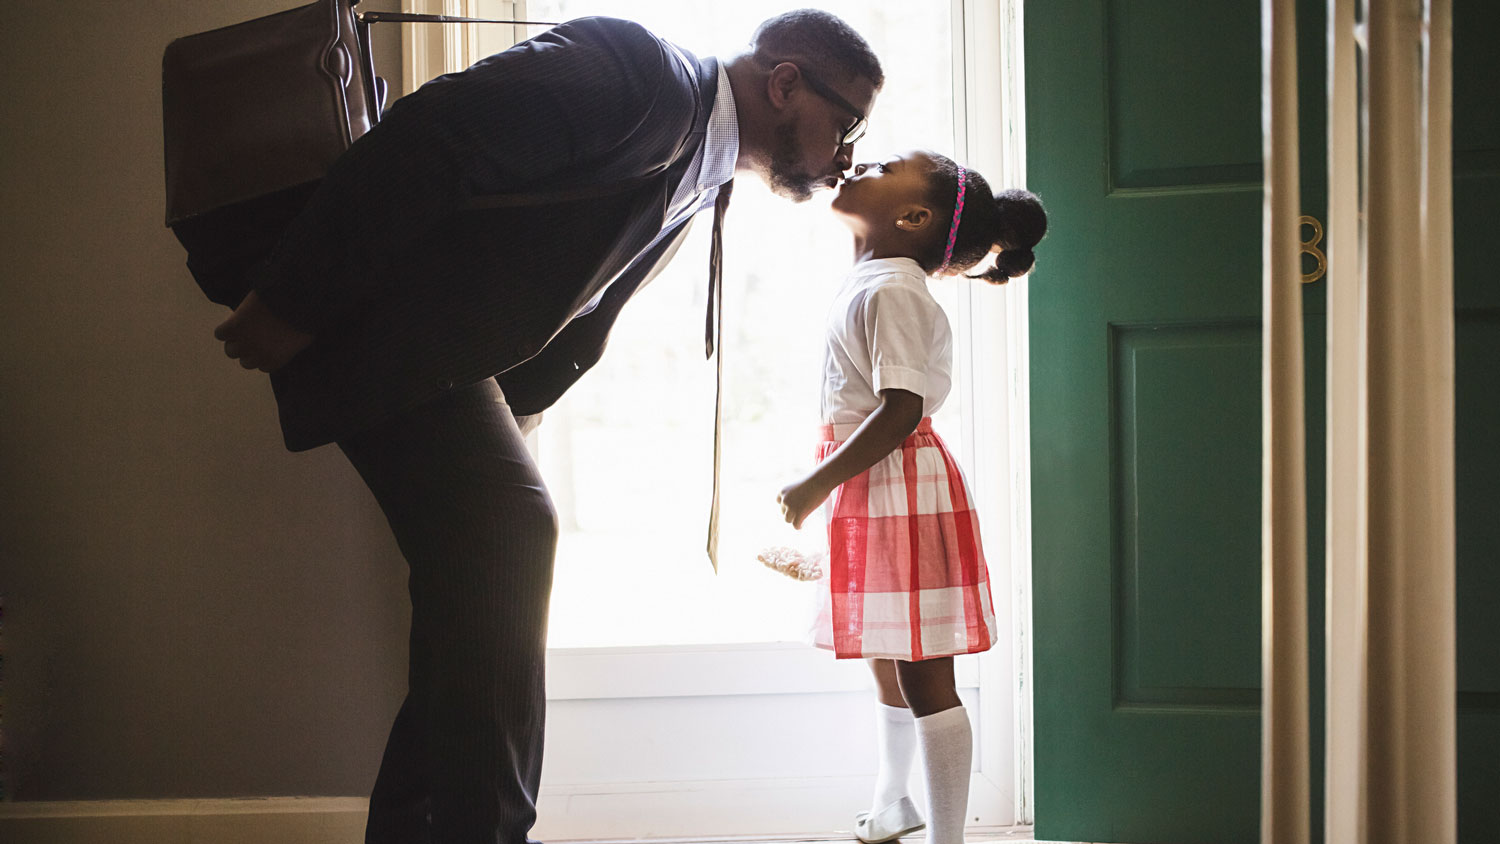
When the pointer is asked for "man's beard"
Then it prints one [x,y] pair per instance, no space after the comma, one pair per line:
[787,180]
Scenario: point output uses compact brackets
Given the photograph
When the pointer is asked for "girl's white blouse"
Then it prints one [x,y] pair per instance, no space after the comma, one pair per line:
[885,331]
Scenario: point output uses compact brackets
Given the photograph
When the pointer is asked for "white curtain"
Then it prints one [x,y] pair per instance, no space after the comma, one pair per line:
[1391,757]
[1284,730]
[1409,761]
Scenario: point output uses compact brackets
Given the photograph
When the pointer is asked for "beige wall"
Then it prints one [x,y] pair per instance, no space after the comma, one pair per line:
[190,611]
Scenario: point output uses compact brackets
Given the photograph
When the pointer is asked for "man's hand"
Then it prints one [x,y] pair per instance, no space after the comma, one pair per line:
[259,339]
[798,500]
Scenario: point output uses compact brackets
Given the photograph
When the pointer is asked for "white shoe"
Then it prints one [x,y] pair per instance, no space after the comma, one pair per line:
[898,819]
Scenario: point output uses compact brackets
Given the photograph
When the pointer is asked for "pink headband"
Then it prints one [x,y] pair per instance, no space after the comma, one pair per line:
[958,212]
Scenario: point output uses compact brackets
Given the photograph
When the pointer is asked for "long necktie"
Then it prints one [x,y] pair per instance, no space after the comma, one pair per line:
[714,330]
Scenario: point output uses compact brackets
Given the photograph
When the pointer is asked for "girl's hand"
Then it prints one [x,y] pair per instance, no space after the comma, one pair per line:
[798,500]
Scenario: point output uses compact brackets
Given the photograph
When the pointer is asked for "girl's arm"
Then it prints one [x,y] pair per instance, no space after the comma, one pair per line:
[880,434]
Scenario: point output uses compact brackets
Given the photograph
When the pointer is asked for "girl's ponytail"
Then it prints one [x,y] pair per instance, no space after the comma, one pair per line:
[1009,264]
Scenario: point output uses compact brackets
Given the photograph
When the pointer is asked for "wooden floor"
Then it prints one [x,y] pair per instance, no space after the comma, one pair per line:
[301,820]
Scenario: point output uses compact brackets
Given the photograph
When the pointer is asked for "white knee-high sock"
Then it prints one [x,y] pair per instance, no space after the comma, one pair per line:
[947,745]
[896,742]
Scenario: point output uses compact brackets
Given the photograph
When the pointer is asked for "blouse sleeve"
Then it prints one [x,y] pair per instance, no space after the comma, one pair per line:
[900,325]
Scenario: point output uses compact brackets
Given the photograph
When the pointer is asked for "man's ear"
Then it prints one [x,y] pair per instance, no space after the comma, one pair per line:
[914,218]
[781,83]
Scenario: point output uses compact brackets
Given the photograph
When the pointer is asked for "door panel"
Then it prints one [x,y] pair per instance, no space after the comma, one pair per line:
[1175,93]
[1184,562]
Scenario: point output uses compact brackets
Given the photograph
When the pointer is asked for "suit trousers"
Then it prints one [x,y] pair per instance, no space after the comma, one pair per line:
[472,517]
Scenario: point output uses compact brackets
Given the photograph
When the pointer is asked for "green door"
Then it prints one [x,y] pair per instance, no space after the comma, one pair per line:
[1144,141]
[1476,210]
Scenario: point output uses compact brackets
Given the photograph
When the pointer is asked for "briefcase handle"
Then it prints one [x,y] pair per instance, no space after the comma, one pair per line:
[408,17]
[493,201]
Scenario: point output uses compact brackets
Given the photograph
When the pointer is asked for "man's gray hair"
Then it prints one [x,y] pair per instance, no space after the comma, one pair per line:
[818,41]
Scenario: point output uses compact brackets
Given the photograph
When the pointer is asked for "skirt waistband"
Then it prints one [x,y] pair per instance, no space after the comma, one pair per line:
[839,431]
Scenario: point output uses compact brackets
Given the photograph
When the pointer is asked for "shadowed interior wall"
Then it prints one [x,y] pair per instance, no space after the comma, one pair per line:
[190,611]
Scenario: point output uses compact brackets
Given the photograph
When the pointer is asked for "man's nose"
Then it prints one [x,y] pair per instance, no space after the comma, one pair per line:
[845,157]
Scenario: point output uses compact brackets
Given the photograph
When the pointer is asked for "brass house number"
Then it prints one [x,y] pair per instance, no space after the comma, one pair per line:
[1310,247]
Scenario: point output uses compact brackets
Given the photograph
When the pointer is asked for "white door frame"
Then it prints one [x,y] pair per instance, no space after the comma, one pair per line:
[781,675]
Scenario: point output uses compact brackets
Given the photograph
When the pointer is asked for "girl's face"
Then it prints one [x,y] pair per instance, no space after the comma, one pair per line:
[880,193]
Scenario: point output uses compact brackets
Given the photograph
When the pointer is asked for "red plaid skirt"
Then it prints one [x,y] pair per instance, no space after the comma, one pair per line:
[906,572]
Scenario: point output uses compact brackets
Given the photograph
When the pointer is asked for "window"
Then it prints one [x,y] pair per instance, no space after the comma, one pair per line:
[627,452]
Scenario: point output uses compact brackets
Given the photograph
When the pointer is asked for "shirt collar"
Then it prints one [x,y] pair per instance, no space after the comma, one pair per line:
[889,266]
[721,145]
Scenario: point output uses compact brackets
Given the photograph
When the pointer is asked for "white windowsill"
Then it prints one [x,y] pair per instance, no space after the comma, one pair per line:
[711,670]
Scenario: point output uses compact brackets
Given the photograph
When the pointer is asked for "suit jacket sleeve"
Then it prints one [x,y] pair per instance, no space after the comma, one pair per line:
[570,98]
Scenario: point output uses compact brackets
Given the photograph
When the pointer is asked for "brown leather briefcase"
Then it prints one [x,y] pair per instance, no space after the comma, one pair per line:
[253,115]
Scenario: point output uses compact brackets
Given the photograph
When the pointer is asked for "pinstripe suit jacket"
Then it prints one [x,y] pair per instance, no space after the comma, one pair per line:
[408,295]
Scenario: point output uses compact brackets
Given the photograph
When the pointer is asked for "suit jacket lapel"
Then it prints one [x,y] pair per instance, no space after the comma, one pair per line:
[648,217]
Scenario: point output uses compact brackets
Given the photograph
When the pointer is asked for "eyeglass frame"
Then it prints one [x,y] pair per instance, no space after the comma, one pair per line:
[822,89]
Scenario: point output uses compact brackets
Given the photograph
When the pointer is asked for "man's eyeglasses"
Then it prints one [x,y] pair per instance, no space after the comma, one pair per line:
[861,122]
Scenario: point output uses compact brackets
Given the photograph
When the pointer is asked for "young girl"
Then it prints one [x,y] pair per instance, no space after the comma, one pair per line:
[908,584]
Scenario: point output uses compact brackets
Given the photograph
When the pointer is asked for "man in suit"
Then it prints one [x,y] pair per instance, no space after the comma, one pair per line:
[412,328]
